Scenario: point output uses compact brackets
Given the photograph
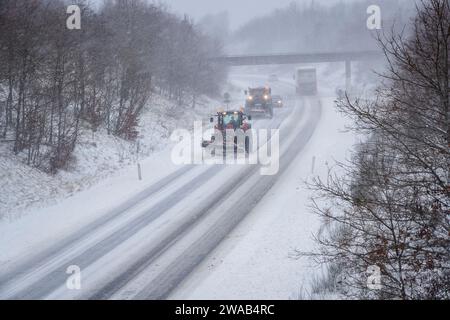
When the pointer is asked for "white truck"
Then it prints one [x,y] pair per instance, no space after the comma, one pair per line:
[306,82]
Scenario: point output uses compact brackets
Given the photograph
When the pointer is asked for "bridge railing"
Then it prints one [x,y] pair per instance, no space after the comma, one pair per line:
[293,58]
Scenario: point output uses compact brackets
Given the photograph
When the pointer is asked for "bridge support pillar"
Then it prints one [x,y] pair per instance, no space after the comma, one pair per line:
[348,75]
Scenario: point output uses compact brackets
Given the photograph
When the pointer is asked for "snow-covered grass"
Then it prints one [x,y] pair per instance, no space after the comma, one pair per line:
[24,189]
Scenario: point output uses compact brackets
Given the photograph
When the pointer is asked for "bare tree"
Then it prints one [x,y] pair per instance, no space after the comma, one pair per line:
[56,82]
[391,207]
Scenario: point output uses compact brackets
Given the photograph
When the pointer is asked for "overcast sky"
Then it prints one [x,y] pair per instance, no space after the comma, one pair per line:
[240,11]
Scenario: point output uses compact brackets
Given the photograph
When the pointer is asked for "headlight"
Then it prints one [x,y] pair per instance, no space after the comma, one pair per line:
[250,98]
[266,97]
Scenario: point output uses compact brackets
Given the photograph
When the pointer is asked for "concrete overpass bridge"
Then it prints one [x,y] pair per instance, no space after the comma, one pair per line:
[296,58]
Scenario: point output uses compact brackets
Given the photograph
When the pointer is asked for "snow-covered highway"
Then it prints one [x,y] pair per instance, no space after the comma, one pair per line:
[144,248]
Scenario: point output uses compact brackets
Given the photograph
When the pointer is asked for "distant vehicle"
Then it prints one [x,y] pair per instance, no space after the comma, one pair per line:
[230,120]
[259,102]
[277,101]
[306,82]
[273,78]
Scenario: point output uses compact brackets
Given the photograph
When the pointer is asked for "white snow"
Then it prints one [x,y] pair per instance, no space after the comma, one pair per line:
[37,209]
[257,260]
[97,156]
[253,262]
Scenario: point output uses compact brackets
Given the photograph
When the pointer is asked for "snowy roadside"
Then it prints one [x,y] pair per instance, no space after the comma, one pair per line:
[253,262]
[256,259]
[98,156]
[39,210]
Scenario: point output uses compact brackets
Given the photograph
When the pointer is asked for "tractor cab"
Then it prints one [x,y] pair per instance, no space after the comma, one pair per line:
[232,120]
[229,120]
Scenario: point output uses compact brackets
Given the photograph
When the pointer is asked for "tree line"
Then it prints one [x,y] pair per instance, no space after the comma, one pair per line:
[55,81]
[315,27]
[389,208]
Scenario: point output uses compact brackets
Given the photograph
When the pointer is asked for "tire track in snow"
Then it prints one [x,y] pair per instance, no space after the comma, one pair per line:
[39,259]
[185,263]
[41,286]
[197,213]
[52,280]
